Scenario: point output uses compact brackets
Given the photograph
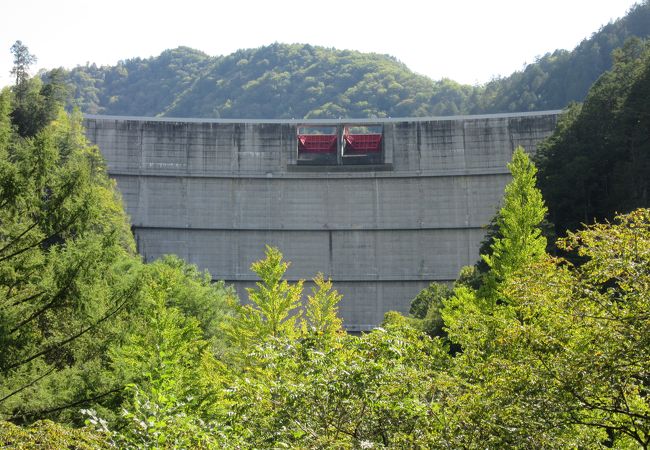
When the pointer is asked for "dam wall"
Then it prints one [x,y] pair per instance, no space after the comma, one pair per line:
[215,192]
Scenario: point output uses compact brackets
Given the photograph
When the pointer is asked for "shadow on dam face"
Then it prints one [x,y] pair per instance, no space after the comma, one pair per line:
[383,207]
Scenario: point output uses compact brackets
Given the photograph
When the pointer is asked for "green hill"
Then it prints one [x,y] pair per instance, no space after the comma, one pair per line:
[300,80]
[597,163]
[560,77]
[277,81]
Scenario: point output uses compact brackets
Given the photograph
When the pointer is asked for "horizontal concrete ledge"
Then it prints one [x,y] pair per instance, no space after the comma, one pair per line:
[239,229]
[370,279]
[315,168]
[340,121]
[297,175]
[359,328]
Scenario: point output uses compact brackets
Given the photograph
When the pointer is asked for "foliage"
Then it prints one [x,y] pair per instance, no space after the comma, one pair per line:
[362,392]
[488,400]
[611,298]
[163,357]
[565,362]
[562,363]
[277,81]
[63,238]
[35,103]
[560,77]
[22,61]
[194,295]
[518,221]
[321,309]
[515,239]
[81,316]
[426,309]
[597,162]
[48,435]
[273,308]
[552,355]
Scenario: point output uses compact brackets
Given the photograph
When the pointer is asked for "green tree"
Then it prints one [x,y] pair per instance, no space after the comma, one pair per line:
[22,62]
[426,308]
[196,296]
[321,311]
[565,362]
[293,81]
[498,390]
[63,241]
[273,311]
[603,367]
[162,359]
[47,434]
[518,222]
[596,163]
[369,391]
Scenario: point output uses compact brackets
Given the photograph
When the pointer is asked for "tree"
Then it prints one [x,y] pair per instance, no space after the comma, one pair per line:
[491,393]
[518,222]
[565,361]
[195,295]
[22,62]
[321,309]
[604,366]
[162,361]
[273,311]
[597,164]
[48,434]
[63,241]
[427,306]
[359,392]
[285,81]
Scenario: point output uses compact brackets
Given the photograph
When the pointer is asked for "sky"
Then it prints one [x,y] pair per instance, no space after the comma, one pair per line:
[469,41]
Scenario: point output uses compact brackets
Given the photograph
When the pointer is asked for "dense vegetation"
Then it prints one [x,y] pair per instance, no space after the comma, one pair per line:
[562,76]
[75,299]
[597,162]
[302,81]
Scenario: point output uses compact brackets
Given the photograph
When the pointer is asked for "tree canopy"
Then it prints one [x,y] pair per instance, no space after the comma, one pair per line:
[597,162]
[73,292]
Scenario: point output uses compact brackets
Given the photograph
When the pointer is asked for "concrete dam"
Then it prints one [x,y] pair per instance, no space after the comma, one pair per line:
[382,206]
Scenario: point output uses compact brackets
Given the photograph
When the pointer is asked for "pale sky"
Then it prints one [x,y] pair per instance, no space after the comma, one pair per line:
[469,41]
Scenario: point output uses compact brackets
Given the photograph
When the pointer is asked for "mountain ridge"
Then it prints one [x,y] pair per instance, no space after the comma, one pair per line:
[284,81]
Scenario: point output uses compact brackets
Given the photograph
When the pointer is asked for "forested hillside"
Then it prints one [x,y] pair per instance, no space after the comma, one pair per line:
[597,162]
[278,81]
[303,81]
[562,76]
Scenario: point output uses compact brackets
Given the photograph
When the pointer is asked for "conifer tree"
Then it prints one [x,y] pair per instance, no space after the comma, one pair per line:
[321,309]
[274,303]
[518,223]
[22,61]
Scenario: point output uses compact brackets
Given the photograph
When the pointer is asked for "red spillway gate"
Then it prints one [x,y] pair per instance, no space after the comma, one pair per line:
[317,143]
[339,144]
[362,143]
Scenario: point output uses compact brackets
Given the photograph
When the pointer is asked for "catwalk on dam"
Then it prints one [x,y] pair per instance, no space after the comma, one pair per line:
[382,206]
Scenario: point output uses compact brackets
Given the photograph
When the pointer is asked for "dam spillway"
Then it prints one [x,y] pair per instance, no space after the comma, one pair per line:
[383,210]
